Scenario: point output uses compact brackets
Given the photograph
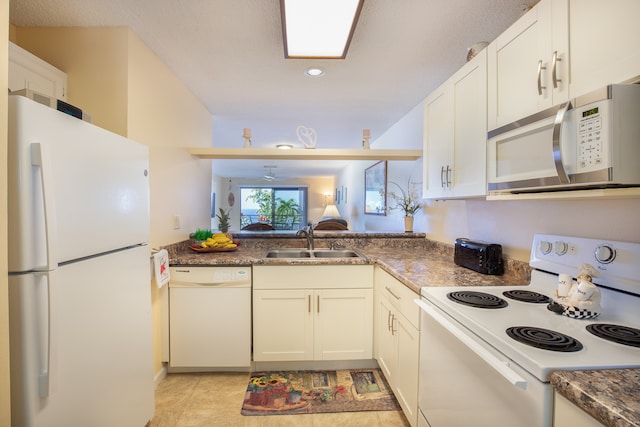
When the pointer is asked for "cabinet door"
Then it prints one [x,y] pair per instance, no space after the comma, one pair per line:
[469,92]
[455,134]
[387,346]
[604,43]
[406,378]
[343,326]
[521,64]
[282,325]
[438,140]
[27,71]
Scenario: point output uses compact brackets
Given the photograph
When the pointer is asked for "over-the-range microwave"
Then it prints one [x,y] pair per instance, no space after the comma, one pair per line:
[592,141]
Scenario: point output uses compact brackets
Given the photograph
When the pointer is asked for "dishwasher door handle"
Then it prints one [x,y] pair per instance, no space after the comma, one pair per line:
[174,284]
[500,366]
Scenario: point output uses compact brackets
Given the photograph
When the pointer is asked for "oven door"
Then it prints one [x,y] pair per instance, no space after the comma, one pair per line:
[465,382]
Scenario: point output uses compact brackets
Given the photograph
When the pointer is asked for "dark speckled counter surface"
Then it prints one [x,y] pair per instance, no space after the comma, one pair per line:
[610,396]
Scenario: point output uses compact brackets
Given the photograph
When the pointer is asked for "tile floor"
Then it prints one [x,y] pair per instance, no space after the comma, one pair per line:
[215,400]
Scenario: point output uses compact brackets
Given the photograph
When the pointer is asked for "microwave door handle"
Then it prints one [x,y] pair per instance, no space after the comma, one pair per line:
[557,143]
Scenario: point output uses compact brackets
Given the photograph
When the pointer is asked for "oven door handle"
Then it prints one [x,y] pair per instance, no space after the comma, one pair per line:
[500,366]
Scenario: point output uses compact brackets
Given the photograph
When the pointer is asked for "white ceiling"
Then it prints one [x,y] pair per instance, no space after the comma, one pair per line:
[229,53]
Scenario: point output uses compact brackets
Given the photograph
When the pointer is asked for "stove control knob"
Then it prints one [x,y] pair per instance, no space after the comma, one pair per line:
[605,254]
[545,247]
[560,248]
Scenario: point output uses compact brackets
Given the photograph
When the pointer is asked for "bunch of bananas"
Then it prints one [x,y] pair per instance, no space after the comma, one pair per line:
[218,240]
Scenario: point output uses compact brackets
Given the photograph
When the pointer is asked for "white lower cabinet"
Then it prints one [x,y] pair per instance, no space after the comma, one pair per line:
[312,313]
[566,414]
[398,340]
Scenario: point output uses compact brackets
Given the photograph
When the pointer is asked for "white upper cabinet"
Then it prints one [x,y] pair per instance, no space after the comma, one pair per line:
[455,134]
[528,64]
[604,43]
[27,71]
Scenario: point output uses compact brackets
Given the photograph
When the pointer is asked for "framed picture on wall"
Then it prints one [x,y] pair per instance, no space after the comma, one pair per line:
[375,189]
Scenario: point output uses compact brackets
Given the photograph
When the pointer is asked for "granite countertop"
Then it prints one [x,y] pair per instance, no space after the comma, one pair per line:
[415,267]
[610,396]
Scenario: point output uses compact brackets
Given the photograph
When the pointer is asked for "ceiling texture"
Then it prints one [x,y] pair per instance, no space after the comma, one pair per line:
[230,54]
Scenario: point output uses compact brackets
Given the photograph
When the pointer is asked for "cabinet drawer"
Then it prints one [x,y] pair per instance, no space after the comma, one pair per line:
[312,276]
[400,296]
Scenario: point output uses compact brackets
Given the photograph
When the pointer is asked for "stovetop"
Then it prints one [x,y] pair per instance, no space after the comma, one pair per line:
[498,325]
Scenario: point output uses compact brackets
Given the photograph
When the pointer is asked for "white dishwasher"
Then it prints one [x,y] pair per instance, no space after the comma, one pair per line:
[209,318]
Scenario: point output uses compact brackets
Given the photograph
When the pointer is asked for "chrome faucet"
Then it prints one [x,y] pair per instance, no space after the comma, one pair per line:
[308,233]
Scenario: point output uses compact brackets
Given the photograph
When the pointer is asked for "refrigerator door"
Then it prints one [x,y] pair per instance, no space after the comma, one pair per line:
[81,343]
[94,182]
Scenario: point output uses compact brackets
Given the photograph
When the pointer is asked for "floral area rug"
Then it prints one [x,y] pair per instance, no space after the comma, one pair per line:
[306,392]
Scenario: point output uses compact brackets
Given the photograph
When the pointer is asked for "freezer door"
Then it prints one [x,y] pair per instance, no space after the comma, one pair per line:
[94,182]
[81,350]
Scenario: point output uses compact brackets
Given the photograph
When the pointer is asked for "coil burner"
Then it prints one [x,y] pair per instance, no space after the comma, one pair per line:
[544,339]
[619,334]
[477,299]
[527,296]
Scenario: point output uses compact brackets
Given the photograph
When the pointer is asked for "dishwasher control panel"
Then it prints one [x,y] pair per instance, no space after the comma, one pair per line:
[208,276]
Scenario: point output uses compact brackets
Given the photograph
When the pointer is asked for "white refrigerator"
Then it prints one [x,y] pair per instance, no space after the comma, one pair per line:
[79,273]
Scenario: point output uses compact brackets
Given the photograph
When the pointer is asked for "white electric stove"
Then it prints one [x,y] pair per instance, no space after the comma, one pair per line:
[477,337]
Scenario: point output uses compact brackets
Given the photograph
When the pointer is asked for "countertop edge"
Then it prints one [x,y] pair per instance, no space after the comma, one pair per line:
[607,395]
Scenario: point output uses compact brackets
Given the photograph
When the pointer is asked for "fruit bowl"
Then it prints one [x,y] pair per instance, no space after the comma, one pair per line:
[198,248]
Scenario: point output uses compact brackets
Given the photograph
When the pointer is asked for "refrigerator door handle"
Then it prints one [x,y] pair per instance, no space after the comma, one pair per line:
[45,359]
[40,158]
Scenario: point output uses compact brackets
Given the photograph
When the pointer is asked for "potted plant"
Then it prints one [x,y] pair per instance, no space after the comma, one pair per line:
[223,220]
[200,235]
[407,201]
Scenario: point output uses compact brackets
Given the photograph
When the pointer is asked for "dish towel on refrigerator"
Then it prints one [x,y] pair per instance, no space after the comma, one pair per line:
[161,267]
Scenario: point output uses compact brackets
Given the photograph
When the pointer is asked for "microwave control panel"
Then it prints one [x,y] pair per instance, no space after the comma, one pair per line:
[591,131]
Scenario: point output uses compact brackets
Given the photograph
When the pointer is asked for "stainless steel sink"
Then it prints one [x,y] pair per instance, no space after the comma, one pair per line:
[288,253]
[308,254]
[335,253]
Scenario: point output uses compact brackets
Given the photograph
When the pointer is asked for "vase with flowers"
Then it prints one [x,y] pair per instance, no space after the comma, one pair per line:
[407,201]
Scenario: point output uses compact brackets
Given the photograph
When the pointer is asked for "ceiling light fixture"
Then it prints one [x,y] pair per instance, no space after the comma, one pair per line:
[320,29]
[314,72]
[284,146]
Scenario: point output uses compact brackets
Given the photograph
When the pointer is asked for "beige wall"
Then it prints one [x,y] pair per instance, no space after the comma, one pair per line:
[5,408]
[95,61]
[128,90]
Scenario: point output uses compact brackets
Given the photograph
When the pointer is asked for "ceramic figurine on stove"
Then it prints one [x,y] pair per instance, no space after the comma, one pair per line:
[584,294]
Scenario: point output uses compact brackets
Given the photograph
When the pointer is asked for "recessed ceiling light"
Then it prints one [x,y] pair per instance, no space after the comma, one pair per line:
[314,72]
[284,146]
[320,29]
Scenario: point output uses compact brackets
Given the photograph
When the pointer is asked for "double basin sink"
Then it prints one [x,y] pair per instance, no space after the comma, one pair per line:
[312,253]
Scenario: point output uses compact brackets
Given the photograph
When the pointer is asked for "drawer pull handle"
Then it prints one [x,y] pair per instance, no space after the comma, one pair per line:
[391,292]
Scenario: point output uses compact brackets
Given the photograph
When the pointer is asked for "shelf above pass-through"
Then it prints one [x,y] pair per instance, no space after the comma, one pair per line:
[304,154]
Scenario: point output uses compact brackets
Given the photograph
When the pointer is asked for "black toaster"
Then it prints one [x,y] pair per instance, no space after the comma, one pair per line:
[485,258]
